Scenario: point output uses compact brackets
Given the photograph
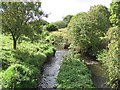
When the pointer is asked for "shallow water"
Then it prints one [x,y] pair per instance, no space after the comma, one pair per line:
[51,70]
[98,72]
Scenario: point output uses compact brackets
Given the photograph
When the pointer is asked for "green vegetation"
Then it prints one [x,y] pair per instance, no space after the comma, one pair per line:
[67,19]
[115,13]
[74,73]
[16,17]
[63,23]
[61,38]
[60,24]
[91,29]
[95,33]
[21,67]
[110,57]
[51,27]
[87,28]
[20,76]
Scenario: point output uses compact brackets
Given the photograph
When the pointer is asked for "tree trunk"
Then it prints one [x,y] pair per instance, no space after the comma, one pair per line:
[14,43]
[15,38]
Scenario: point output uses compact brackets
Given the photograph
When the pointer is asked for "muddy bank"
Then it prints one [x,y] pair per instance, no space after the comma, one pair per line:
[51,70]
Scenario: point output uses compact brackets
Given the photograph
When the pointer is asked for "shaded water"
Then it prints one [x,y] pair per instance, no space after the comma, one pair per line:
[51,70]
[98,73]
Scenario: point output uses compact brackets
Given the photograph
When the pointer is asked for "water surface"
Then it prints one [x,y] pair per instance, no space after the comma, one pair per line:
[51,70]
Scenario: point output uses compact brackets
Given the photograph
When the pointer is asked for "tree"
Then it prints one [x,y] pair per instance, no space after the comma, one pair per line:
[87,28]
[100,16]
[37,29]
[115,13]
[67,19]
[17,15]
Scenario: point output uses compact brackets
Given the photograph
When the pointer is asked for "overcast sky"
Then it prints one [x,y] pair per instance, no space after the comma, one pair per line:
[60,8]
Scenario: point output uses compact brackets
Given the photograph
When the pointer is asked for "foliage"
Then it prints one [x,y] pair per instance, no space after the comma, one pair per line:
[51,27]
[73,73]
[110,57]
[15,18]
[101,15]
[37,29]
[60,38]
[67,19]
[77,30]
[115,13]
[87,28]
[60,24]
[29,57]
[20,76]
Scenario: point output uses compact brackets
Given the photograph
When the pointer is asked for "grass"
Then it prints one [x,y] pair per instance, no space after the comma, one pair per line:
[73,73]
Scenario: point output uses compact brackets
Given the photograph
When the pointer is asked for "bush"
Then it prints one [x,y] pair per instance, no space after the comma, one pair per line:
[73,73]
[60,24]
[20,76]
[61,38]
[6,58]
[22,66]
[51,27]
[36,60]
[110,58]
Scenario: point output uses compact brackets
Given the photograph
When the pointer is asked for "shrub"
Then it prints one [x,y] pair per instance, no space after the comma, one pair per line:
[20,76]
[61,37]
[36,60]
[6,58]
[110,58]
[51,27]
[22,66]
[60,24]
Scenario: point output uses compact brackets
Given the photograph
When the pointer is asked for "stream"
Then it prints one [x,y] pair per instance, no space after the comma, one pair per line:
[51,70]
[98,73]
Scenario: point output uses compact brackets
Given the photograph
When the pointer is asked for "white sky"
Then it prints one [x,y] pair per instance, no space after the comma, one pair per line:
[60,8]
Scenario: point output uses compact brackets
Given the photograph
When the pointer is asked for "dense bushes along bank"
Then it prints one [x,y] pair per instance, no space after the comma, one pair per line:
[74,73]
[61,38]
[21,67]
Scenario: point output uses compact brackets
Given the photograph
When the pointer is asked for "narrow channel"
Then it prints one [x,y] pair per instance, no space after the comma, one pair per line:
[98,73]
[51,70]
